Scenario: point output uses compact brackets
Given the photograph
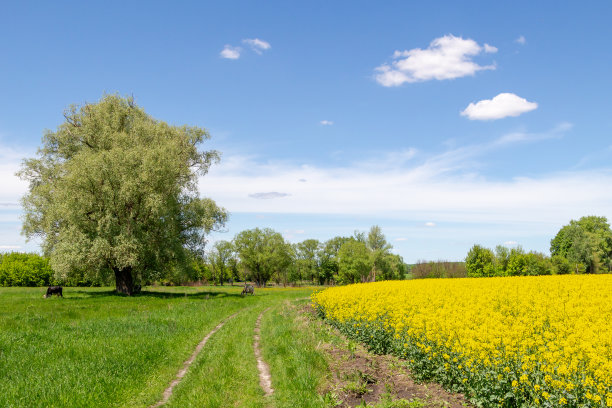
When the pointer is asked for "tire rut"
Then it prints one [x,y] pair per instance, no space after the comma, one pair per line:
[181,373]
[265,381]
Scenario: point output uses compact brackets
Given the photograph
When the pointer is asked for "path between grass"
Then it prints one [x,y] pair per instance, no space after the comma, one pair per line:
[264,371]
[181,373]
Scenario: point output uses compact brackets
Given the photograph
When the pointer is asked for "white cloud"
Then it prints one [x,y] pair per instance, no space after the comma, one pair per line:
[446,57]
[257,45]
[510,243]
[501,106]
[446,187]
[489,49]
[13,188]
[9,247]
[326,122]
[521,40]
[430,224]
[230,52]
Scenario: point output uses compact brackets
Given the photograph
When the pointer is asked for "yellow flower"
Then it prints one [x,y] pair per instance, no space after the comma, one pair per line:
[551,327]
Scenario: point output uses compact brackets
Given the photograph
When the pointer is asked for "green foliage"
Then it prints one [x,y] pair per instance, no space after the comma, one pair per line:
[307,260]
[221,261]
[263,253]
[354,262]
[376,240]
[586,244]
[561,266]
[23,269]
[482,262]
[114,190]
[329,259]
[479,262]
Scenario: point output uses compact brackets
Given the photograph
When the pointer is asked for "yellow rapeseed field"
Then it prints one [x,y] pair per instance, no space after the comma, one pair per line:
[515,341]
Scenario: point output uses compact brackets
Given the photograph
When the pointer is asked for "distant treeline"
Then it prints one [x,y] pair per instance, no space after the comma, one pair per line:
[582,246]
[263,256]
[258,255]
[437,269]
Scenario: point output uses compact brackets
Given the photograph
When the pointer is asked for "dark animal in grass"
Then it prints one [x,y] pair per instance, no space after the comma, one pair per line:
[248,289]
[54,290]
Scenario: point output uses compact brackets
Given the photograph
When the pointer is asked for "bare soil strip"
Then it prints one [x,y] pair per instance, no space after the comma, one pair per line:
[358,376]
[181,373]
[264,371]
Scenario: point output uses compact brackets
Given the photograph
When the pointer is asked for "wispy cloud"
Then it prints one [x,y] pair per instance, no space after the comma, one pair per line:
[257,45]
[9,247]
[443,187]
[230,52]
[446,57]
[269,195]
[326,122]
[12,187]
[489,49]
[501,106]
[521,40]
[430,224]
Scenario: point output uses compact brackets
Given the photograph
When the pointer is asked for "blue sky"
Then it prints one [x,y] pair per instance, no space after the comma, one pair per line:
[445,123]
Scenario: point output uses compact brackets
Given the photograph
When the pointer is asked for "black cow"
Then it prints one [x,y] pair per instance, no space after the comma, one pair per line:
[54,290]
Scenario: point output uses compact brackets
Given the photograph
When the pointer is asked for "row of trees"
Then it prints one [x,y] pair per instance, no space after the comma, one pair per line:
[263,255]
[259,255]
[582,246]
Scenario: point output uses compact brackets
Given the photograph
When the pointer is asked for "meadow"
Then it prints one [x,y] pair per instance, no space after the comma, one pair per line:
[504,342]
[94,348]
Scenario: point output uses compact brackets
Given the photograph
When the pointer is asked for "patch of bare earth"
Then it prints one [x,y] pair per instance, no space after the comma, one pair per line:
[357,376]
[265,380]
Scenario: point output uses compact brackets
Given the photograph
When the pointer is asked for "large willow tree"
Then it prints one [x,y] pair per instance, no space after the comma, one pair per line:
[114,191]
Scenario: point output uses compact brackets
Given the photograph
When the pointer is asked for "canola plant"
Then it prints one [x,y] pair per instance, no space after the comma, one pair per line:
[542,341]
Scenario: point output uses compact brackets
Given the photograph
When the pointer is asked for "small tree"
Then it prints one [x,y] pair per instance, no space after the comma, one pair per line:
[354,262]
[221,260]
[379,251]
[479,262]
[262,253]
[114,190]
[329,259]
[585,243]
[307,259]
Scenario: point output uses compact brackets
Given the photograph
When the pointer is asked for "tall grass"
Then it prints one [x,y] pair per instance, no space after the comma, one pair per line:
[96,349]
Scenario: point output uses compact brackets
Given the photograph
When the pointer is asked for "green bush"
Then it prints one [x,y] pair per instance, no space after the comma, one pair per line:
[23,269]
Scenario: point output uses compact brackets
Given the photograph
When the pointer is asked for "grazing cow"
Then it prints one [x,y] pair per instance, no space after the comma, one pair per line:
[248,289]
[54,290]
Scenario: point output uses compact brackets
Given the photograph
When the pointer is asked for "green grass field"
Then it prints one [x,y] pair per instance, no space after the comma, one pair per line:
[95,349]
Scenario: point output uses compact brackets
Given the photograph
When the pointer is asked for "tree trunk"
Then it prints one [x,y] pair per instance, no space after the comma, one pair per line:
[124,282]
